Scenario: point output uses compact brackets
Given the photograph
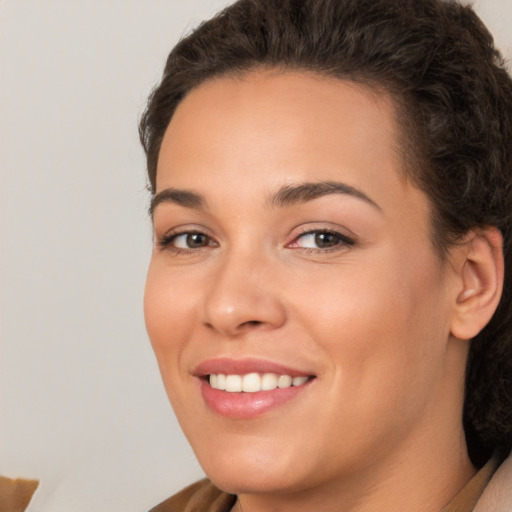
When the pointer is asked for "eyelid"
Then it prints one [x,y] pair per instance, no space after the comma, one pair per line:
[347,238]
[164,241]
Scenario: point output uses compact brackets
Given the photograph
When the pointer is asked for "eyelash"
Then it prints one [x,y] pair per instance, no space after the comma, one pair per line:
[342,241]
[167,240]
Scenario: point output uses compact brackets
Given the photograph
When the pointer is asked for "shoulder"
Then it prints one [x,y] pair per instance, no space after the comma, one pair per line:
[201,496]
[498,493]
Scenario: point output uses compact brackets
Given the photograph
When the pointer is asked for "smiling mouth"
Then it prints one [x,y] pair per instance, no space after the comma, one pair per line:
[249,388]
[254,382]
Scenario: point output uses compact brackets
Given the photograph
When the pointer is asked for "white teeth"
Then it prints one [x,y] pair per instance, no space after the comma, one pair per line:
[298,381]
[253,382]
[221,381]
[218,381]
[284,381]
[269,381]
[234,383]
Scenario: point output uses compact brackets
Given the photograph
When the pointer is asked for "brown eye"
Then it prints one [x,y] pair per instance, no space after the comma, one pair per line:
[186,241]
[318,240]
[327,239]
[196,240]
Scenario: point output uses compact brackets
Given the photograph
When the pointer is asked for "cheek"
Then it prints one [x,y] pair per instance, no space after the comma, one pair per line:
[167,315]
[383,327]
[365,332]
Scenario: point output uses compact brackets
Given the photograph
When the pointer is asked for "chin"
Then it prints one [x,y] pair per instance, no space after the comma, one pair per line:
[249,480]
[240,471]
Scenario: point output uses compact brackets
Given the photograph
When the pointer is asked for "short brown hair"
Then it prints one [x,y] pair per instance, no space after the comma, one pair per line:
[437,60]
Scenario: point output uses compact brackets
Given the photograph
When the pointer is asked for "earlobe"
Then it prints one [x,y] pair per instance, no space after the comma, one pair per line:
[481,282]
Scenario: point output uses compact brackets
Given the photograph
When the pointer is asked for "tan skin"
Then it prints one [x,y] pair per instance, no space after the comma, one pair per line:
[345,287]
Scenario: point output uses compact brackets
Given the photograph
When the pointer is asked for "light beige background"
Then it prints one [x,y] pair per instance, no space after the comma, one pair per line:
[81,403]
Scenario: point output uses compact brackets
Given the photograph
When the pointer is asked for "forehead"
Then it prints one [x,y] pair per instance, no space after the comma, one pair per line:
[271,109]
[275,128]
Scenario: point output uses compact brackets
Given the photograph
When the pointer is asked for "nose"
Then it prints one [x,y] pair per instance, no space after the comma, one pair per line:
[243,296]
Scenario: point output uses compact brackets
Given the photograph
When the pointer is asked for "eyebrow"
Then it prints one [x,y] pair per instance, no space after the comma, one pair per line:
[287,195]
[185,198]
[304,192]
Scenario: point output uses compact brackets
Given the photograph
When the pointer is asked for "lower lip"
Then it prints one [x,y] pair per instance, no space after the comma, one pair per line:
[247,405]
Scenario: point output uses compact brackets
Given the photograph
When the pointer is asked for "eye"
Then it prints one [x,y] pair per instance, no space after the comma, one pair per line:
[186,241]
[190,241]
[319,240]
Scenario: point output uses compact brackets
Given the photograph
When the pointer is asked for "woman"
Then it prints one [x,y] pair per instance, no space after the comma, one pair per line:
[332,201]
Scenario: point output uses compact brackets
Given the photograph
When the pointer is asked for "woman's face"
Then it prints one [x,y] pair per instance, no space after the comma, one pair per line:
[290,249]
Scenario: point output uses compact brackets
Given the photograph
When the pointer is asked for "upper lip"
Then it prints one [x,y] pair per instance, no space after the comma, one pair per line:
[229,366]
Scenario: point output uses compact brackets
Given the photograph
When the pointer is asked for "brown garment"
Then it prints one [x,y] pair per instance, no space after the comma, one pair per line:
[203,496]
[468,497]
[15,495]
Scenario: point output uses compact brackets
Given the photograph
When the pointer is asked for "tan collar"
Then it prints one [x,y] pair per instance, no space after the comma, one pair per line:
[15,495]
[203,496]
[467,498]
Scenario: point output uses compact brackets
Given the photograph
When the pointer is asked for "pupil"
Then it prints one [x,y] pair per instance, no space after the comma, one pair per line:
[196,240]
[323,240]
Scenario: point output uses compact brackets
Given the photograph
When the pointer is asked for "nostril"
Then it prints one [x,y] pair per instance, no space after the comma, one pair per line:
[251,323]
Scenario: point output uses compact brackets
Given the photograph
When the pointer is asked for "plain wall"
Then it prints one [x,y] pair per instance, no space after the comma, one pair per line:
[82,407]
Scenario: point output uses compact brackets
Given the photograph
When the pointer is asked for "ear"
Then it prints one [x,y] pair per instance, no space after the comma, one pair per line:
[480,271]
